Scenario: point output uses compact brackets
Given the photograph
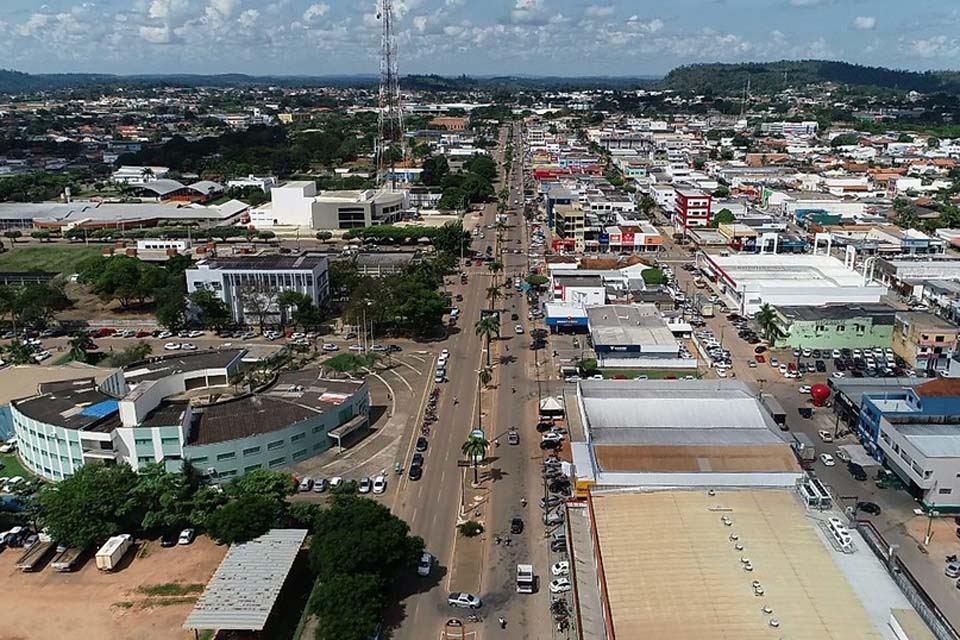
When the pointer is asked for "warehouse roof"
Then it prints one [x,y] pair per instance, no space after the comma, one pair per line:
[67,404]
[305,262]
[689,581]
[243,591]
[881,314]
[625,325]
[161,367]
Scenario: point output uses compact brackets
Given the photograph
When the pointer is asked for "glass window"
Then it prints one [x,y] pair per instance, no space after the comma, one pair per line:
[945,491]
[297,436]
[229,455]
[276,462]
[249,451]
[199,460]
[276,444]
[302,453]
[252,467]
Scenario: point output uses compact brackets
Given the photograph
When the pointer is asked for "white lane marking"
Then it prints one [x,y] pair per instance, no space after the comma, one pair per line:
[402,379]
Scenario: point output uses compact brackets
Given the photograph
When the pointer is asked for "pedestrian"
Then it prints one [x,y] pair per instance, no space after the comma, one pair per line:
[523,502]
[503,622]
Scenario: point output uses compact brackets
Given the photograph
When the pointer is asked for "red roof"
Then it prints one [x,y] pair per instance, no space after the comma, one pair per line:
[939,388]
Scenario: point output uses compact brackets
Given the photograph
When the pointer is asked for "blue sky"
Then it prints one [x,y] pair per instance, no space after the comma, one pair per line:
[549,37]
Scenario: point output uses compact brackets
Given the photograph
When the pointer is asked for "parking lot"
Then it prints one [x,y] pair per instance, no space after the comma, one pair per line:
[140,601]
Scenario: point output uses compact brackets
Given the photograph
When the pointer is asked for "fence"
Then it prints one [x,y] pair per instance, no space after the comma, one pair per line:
[908,584]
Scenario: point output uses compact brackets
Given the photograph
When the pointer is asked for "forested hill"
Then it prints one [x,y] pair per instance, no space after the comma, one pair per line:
[769,77]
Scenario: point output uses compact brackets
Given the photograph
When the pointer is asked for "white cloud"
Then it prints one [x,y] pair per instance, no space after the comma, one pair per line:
[529,12]
[599,11]
[315,11]
[864,23]
[156,35]
[249,18]
[34,24]
[806,3]
[934,47]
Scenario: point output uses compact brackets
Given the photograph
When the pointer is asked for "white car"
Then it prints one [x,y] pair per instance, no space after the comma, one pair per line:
[825,435]
[827,460]
[560,569]
[163,335]
[842,456]
[329,346]
[552,436]
[838,374]
[519,330]
[560,585]
[195,334]
[172,346]
[425,564]
[356,347]
[40,356]
[463,600]
[836,354]
[365,485]
[186,346]
[804,388]
[186,536]
[379,484]
[335,482]
[297,335]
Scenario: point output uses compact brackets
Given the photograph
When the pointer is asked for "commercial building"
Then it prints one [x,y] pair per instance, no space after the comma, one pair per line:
[250,286]
[787,280]
[905,274]
[749,564]
[92,216]
[151,412]
[298,204]
[568,223]
[805,128]
[924,341]
[577,289]
[674,433]
[634,336]
[692,208]
[836,326]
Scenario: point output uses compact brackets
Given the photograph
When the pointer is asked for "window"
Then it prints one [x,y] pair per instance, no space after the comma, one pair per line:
[252,467]
[170,440]
[944,491]
[276,462]
[199,460]
[227,473]
[143,441]
[249,451]
[276,444]
[318,429]
[297,436]
[939,339]
[145,459]
[302,453]
[229,455]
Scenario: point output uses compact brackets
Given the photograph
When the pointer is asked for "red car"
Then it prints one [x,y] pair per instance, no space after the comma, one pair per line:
[760,358]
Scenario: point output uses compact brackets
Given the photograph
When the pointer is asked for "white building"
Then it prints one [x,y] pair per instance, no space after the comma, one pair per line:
[298,204]
[634,336]
[139,175]
[266,183]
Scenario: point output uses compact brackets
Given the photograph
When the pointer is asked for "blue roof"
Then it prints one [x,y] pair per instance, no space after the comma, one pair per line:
[101,409]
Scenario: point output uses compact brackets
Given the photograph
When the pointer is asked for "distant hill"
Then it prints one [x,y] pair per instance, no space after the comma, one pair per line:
[768,77]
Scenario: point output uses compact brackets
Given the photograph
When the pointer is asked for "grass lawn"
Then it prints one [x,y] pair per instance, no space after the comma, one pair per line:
[12,466]
[61,258]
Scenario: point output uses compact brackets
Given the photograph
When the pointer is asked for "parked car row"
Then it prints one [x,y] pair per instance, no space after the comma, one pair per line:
[377,485]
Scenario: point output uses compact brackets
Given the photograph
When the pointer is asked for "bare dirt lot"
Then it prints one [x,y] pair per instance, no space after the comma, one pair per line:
[140,601]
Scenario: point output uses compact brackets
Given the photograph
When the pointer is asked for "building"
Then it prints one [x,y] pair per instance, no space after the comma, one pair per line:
[298,204]
[579,290]
[905,274]
[91,216]
[149,413]
[166,190]
[134,175]
[836,326]
[568,224]
[450,123]
[752,280]
[674,433]
[806,128]
[634,336]
[692,208]
[249,286]
[265,183]
[925,341]
[849,394]
[750,564]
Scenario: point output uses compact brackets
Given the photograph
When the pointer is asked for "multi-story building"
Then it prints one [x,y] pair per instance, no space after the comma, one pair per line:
[805,128]
[634,336]
[691,209]
[925,341]
[250,286]
[143,415]
[298,204]
[836,326]
[569,222]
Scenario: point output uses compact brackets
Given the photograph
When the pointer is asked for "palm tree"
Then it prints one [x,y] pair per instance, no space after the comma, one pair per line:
[475,449]
[493,294]
[495,267]
[485,376]
[766,318]
[80,343]
[487,326]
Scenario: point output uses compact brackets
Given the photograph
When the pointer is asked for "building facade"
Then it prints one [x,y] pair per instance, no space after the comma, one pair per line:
[836,326]
[924,341]
[692,208]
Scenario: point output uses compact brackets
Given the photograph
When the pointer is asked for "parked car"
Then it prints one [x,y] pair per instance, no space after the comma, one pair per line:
[827,459]
[379,484]
[560,585]
[306,483]
[187,536]
[562,568]
[172,346]
[169,538]
[319,485]
[415,473]
[422,443]
[513,438]
[463,600]
[870,508]
[365,485]
[825,435]
[516,526]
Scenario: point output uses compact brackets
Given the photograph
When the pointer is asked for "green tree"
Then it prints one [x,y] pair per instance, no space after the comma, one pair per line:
[18,352]
[324,236]
[435,168]
[653,276]
[213,311]
[243,518]
[766,319]
[485,376]
[724,216]
[12,234]
[275,485]
[42,236]
[453,199]
[356,536]
[165,499]
[537,281]
[487,326]
[171,309]
[80,344]
[134,353]
[475,450]
[348,607]
[91,505]
[493,294]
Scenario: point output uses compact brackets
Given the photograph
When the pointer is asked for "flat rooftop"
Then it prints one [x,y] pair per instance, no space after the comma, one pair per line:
[24,381]
[881,314]
[297,396]
[629,325]
[164,366]
[304,262]
[565,280]
[72,404]
[784,270]
[671,571]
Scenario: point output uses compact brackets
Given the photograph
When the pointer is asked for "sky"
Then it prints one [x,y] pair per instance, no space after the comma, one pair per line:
[474,37]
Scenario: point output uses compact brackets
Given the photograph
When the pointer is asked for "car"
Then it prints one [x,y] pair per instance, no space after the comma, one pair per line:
[379,484]
[761,359]
[825,435]
[438,377]
[870,508]
[558,545]
[550,502]
[820,366]
[856,471]
[464,600]
[516,526]
[513,438]
[187,536]
[336,482]
[518,329]
[560,585]
[807,353]
[562,568]
[952,570]
[759,350]
[425,564]
[365,485]
[422,443]
[306,483]
[842,455]
[415,473]
[356,347]
[804,388]
[172,346]
[319,485]
[186,346]
[329,346]
[827,459]
[169,538]
[838,374]
[379,348]
[551,436]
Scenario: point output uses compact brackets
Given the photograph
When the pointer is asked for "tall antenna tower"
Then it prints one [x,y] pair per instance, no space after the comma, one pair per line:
[390,139]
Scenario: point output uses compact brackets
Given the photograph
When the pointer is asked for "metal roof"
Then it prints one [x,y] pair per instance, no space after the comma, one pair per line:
[241,594]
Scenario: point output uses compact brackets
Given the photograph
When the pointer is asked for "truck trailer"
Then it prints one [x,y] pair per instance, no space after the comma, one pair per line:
[804,448]
[112,551]
[66,559]
[36,554]
[525,578]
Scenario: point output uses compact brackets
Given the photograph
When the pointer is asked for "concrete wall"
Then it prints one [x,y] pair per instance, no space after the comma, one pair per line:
[804,334]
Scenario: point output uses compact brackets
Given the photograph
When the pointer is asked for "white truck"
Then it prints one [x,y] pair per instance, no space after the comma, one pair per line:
[112,551]
[525,578]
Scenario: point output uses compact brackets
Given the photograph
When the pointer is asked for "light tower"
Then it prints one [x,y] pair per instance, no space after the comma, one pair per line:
[390,139]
